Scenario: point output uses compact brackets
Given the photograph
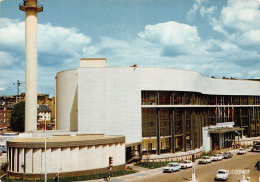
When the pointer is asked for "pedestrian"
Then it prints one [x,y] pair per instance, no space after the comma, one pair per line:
[56,178]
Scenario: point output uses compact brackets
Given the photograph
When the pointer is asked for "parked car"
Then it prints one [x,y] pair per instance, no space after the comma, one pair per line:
[171,167]
[216,157]
[186,164]
[221,175]
[227,155]
[204,160]
[241,151]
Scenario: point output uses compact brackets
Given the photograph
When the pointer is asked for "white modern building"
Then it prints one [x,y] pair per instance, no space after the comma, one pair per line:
[139,111]
[162,109]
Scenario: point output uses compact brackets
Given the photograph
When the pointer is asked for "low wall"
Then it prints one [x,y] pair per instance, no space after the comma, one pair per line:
[171,157]
[38,176]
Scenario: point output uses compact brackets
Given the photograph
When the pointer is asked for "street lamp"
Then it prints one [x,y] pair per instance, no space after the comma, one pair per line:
[45,176]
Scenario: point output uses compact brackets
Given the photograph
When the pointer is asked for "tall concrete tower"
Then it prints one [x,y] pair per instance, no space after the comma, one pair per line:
[31,9]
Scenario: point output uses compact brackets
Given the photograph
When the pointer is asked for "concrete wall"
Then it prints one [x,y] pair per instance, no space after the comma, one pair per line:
[67,100]
[110,98]
[206,139]
[67,159]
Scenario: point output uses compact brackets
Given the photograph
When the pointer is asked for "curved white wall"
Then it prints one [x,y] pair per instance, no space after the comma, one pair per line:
[67,100]
[109,99]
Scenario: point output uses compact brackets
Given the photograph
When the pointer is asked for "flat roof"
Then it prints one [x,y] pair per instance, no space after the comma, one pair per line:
[65,141]
[224,130]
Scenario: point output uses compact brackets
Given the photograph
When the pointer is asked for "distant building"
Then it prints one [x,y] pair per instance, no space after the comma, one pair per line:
[5,113]
[44,115]
[7,104]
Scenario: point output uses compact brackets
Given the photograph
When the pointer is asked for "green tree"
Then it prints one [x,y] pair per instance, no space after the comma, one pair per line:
[17,117]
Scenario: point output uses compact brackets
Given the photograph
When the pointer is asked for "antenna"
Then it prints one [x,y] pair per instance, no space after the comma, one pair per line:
[18,85]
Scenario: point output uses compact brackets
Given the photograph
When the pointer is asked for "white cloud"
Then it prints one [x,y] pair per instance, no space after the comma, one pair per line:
[174,35]
[238,23]
[241,15]
[207,11]
[191,13]
[51,39]
[59,40]
[11,33]
[59,48]
[6,59]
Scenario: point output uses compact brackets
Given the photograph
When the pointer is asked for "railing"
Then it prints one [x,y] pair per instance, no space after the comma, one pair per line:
[23,7]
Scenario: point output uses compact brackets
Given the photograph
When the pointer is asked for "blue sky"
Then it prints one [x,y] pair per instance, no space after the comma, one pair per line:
[216,38]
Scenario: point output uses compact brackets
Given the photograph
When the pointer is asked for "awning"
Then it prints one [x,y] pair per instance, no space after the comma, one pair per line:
[133,144]
[224,130]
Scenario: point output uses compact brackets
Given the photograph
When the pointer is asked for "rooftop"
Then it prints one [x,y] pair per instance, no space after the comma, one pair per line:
[65,141]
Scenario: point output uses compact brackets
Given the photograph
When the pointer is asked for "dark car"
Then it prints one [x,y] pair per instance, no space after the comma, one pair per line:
[227,155]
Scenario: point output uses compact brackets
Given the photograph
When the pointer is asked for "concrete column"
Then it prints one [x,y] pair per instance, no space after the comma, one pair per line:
[158,148]
[74,158]
[15,160]
[184,131]
[48,159]
[220,140]
[65,159]
[31,70]
[21,160]
[172,132]
[31,9]
[11,157]
[83,161]
[28,160]
[107,152]
[56,154]
[91,161]
[192,131]
[37,160]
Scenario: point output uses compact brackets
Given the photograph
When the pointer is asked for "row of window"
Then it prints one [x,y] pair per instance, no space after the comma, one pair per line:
[194,98]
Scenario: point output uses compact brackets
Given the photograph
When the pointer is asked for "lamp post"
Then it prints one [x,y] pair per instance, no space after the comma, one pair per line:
[45,175]
[193,170]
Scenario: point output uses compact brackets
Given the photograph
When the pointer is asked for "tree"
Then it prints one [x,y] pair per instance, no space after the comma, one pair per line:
[17,117]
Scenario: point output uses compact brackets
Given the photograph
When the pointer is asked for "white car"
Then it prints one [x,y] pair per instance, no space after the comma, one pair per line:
[204,160]
[221,175]
[186,164]
[241,151]
[171,167]
[216,157]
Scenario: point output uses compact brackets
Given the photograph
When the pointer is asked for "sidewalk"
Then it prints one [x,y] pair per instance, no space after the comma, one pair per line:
[144,172]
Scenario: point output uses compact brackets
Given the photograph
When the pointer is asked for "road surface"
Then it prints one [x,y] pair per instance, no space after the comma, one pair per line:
[207,172]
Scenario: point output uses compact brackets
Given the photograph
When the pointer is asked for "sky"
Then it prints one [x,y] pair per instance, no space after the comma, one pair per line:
[214,37]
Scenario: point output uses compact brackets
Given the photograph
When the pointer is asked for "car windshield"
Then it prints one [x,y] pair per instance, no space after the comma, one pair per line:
[170,165]
[215,155]
[221,172]
[205,157]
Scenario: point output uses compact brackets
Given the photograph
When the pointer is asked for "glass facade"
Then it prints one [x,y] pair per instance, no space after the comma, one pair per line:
[174,122]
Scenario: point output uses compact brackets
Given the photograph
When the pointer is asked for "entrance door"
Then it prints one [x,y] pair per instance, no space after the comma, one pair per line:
[150,147]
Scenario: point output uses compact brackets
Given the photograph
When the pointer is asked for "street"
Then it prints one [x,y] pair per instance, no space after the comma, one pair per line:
[207,173]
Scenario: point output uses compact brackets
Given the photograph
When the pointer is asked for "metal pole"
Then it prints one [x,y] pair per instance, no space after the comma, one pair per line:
[45,177]
[109,174]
